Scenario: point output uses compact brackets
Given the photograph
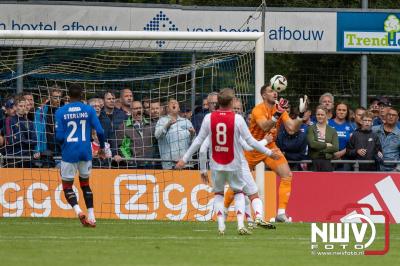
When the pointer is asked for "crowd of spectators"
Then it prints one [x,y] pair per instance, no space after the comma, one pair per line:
[154,134]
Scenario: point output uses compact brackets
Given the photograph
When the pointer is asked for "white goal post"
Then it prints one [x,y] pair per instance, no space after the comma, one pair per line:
[8,36]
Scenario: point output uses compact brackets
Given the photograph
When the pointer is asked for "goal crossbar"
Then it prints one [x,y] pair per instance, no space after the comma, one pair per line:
[131,35]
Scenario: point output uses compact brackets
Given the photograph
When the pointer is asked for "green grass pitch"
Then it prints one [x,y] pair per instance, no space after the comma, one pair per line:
[40,241]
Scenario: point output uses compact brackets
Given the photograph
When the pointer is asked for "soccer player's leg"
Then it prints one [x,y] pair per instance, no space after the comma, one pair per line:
[253,159]
[219,179]
[84,173]
[282,169]
[247,213]
[237,184]
[68,171]
[228,199]
[251,190]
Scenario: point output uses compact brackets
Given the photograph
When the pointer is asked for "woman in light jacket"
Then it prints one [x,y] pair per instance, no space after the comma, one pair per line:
[322,142]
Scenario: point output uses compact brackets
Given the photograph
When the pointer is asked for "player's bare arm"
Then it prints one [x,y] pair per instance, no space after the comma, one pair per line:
[265,124]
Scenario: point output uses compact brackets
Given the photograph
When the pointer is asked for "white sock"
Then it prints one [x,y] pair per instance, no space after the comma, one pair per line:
[77,209]
[91,214]
[258,208]
[219,210]
[239,209]
[281,211]
[247,210]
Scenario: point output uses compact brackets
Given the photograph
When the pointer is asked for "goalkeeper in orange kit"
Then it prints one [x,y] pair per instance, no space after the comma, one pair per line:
[267,117]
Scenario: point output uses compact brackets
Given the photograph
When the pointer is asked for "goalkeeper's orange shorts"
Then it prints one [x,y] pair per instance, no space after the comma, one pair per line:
[255,157]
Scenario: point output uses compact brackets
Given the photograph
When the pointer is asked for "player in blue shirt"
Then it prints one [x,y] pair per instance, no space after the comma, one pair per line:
[74,123]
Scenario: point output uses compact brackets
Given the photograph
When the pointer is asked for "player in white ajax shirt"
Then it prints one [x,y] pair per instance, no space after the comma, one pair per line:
[74,123]
[224,129]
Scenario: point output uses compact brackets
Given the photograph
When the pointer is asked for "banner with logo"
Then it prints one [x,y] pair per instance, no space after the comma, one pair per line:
[180,195]
[285,31]
[300,32]
[118,194]
[323,197]
[368,32]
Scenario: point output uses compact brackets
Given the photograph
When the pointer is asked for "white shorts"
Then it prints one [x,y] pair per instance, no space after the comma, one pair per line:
[233,179]
[251,187]
[68,170]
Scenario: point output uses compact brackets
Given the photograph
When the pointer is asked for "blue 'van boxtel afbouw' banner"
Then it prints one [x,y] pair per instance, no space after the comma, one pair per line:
[368,32]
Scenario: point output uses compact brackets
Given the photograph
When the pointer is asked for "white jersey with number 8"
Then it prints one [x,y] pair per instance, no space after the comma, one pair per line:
[224,128]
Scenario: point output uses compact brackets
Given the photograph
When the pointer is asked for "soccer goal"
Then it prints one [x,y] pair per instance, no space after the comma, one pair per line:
[155,67]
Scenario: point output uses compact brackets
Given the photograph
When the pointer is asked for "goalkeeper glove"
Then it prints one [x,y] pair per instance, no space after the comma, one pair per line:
[281,105]
[303,106]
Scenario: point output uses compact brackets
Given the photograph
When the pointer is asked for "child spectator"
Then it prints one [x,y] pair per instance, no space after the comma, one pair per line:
[365,145]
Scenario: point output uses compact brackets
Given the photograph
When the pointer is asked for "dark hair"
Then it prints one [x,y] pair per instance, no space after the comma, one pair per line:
[347,118]
[108,92]
[75,91]
[263,89]
[360,108]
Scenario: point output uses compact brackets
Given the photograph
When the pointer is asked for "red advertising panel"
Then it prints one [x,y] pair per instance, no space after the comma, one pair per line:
[315,196]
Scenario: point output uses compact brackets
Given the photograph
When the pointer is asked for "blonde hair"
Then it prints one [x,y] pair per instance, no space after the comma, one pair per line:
[225,97]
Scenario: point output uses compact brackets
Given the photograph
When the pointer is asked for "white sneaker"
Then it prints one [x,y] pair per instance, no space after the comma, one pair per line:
[261,223]
[244,231]
[282,218]
[251,225]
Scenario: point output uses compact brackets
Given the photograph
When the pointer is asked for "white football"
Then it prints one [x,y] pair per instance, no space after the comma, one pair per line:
[278,83]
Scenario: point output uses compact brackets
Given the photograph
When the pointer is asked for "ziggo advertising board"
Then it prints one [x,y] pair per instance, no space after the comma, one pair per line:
[118,194]
[180,195]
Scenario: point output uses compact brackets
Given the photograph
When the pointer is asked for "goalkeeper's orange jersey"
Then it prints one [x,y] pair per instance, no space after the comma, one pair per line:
[260,112]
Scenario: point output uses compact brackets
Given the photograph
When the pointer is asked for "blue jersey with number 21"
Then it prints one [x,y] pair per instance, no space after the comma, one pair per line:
[74,123]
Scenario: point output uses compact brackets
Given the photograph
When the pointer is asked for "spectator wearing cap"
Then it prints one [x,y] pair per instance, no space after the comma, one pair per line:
[23,136]
[389,136]
[383,103]
[374,107]
[186,112]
